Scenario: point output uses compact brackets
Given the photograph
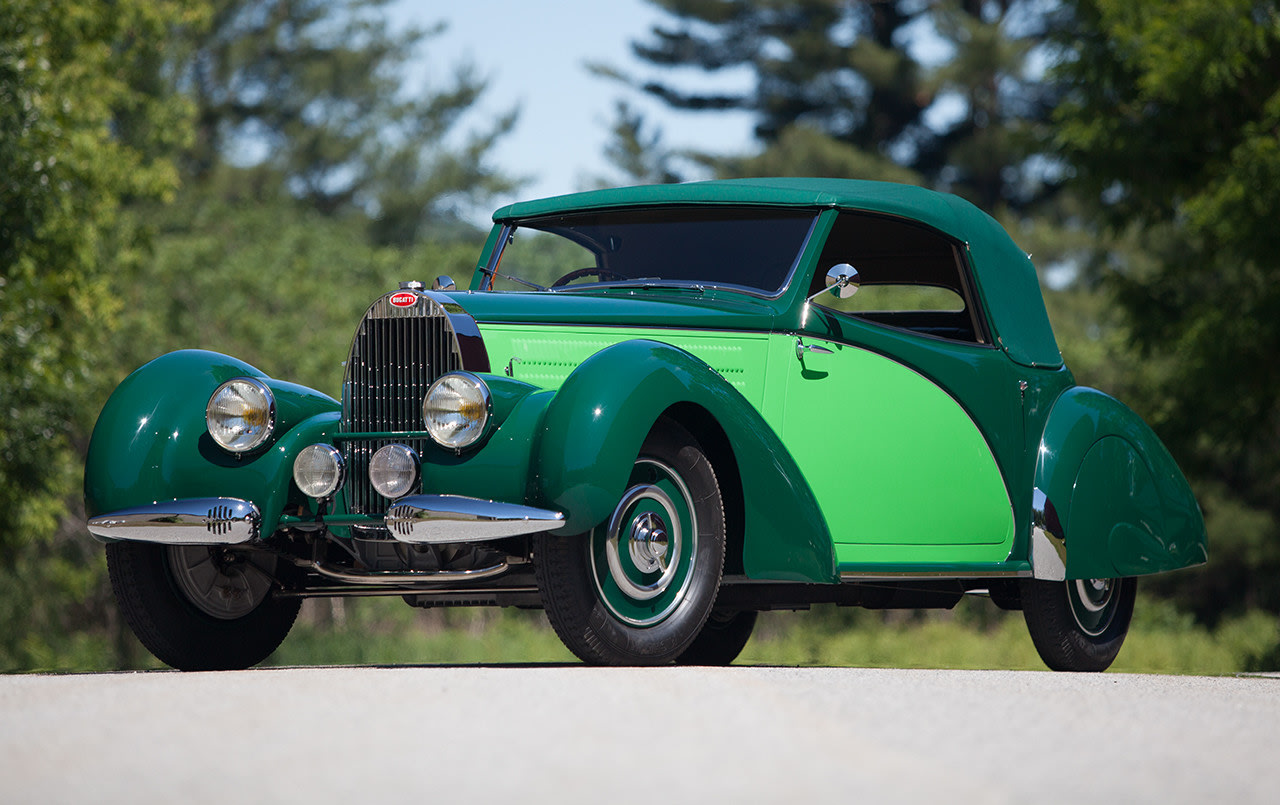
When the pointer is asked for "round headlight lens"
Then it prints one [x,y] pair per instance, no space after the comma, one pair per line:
[241,414]
[318,470]
[393,471]
[456,410]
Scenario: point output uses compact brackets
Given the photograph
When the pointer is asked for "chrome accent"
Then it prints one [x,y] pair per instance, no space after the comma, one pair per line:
[443,519]
[220,583]
[444,283]
[511,366]
[486,401]
[262,389]
[842,280]
[1048,546]
[395,356]
[802,348]
[335,457]
[384,455]
[1093,603]
[411,285]
[674,542]
[195,521]
[386,577]
[854,576]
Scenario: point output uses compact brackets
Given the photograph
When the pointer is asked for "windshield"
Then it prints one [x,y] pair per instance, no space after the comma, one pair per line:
[752,249]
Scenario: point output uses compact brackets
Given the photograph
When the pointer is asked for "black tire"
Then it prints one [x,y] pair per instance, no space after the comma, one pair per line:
[1078,625]
[620,604]
[721,640]
[235,625]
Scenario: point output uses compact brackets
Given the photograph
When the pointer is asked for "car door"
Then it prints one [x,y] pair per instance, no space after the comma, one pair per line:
[898,410]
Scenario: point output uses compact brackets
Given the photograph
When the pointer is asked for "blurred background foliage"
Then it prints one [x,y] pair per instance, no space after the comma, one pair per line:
[246,175]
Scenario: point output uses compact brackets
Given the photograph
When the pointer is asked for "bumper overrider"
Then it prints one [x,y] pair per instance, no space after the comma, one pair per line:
[417,520]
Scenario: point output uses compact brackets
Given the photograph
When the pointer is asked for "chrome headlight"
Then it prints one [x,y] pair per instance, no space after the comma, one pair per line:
[456,409]
[318,470]
[393,471]
[241,414]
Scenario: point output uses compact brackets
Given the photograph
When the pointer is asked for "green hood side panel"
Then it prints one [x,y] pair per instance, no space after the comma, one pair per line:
[1123,505]
[596,424]
[150,442]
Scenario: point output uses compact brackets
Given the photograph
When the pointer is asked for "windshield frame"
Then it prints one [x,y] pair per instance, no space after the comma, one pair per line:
[508,227]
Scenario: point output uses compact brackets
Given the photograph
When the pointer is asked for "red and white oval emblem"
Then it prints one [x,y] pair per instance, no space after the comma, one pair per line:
[404,299]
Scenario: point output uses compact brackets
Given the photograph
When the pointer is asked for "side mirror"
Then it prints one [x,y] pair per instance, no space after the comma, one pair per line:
[443,283]
[842,281]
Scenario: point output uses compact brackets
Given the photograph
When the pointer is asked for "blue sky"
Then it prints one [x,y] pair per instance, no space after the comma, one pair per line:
[535,56]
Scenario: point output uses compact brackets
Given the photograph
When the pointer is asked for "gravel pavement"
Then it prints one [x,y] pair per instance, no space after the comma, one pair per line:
[570,734]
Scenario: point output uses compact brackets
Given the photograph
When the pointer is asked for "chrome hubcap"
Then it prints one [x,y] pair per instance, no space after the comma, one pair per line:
[649,541]
[643,559]
[220,583]
[1093,603]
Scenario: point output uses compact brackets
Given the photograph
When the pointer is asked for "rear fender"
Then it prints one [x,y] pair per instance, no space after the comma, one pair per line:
[598,420]
[1109,500]
[151,444]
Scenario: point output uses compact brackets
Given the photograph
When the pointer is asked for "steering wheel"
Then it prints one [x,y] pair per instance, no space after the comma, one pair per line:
[602,273]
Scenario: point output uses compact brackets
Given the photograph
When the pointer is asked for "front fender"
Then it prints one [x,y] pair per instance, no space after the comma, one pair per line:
[1114,492]
[151,444]
[596,423]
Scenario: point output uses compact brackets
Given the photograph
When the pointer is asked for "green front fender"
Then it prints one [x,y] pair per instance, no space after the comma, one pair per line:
[1122,505]
[597,422]
[151,444]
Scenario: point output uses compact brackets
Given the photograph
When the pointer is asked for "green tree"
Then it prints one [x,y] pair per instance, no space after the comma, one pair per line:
[314,90]
[1173,127]
[950,91]
[84,127]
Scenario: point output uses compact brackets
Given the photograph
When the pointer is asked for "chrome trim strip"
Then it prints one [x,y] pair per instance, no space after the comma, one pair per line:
[1048,545]
[935,574]
[410,577]
[443,519]
[195,521]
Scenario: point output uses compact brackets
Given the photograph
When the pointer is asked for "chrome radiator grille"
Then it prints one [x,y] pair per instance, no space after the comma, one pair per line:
[395,356]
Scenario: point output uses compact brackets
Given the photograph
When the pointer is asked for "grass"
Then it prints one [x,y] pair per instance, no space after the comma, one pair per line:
[974,635]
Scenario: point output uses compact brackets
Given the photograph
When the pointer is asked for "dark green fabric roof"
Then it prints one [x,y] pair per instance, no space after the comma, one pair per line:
[1006,278]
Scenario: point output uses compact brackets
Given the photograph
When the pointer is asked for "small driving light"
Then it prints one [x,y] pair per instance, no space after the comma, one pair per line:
[318,470]
[393,471]
[241,414]
[456,410]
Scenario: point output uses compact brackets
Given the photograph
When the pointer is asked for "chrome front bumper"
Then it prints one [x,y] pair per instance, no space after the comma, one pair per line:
[442,519]
[196,521]
[418,520]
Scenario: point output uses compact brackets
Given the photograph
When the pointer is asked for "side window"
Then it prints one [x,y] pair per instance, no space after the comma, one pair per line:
[911,277]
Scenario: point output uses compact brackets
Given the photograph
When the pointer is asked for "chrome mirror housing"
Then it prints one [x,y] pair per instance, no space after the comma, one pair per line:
[842,280]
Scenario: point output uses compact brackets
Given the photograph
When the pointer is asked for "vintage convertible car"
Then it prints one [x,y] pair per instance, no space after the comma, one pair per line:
[655,412]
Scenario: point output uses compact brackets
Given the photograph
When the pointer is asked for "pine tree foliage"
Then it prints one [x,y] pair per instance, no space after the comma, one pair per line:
[950,90]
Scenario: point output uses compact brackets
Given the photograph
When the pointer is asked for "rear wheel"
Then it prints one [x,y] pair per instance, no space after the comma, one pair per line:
[637,589]
[200,608]
[721,640]
[1079,624]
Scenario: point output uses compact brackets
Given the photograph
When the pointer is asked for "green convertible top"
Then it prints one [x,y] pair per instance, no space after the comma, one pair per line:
[1006,278]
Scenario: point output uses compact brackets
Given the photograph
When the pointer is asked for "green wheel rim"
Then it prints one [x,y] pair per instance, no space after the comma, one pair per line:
[642,560]
[1093,603]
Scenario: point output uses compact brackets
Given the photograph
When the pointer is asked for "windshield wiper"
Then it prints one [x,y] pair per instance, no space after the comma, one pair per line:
[495,273]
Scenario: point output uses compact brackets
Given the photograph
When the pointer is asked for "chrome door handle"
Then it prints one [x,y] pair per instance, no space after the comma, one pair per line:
[802,348]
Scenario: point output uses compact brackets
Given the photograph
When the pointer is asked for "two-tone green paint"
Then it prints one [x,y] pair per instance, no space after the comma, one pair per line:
[1124,507]
[151,443]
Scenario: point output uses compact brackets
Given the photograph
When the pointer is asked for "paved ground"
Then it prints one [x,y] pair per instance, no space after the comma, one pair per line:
[669,735]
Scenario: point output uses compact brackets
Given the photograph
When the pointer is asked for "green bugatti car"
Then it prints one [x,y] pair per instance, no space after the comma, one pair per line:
[655,412]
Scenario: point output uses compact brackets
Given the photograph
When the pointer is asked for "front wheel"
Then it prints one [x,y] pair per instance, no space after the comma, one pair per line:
[200,608]
[1079,624]
[637,589]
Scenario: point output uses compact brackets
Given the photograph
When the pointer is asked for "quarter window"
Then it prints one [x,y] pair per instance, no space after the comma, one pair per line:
[912,278]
